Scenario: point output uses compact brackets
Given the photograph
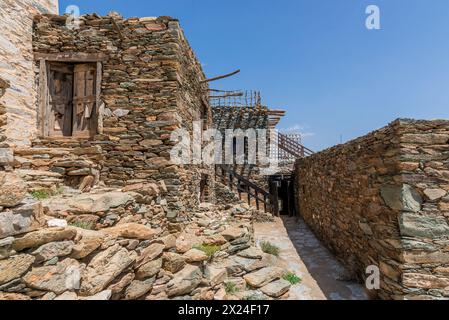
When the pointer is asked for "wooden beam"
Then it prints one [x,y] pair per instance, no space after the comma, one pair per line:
[221,77]
[71,57]
[43,98]
[98,105]
[227,95]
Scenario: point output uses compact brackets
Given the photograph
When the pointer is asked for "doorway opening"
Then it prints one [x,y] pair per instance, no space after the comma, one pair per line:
[205,188]
[283,189]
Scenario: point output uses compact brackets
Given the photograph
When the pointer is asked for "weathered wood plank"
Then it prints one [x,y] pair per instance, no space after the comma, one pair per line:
[98,105]
[43,98]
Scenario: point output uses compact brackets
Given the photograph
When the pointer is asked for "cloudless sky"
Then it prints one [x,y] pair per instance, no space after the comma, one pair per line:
[316,59]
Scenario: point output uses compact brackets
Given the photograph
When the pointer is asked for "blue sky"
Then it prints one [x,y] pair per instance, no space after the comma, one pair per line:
[315,58]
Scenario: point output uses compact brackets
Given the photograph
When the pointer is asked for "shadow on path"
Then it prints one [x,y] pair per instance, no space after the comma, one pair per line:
[321,263]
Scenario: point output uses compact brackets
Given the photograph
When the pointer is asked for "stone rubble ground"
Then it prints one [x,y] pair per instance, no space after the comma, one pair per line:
[118,244]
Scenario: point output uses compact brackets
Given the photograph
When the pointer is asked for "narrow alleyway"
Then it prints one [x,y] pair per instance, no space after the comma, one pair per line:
[310,260]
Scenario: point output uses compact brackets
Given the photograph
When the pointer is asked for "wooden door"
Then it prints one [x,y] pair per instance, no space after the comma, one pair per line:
[60,104]
[84,100]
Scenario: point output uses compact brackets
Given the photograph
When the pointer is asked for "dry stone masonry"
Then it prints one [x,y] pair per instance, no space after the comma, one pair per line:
[118,244]
[91,207]
[16,66]
[383,200]
[151,85]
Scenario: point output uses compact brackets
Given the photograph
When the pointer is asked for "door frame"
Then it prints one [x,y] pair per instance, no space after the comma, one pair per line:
[44,107]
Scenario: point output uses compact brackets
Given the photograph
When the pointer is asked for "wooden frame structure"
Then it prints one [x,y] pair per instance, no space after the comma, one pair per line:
[44,107]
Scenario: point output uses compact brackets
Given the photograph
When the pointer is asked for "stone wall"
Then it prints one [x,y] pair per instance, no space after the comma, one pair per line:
[16,66]
[383,200]
[151,86]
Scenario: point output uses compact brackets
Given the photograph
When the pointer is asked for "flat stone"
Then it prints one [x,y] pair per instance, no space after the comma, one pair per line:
[187,241]
[138,288]
[104,268]
[49,296]
[85,247]
[149,269]
[251,253]
[424,281]
[216,275]
[102,296]
[131,231]
[6,249]
[54,249]
[121,112]
[195,255]
[401,198]
[434,194]
[277,288]
[236,263]
[13,296]
[120,285]
[58,279]
[215,240]
[185,281]
[6,156]
[14,267]
[57,223]
[169,241]
[438,257]
[263,276]
[25,218]
[233,233]
[12,189]
[237,248]
[366,228]
[98,203]
[172,262]
[37,238]
[150,253]
[67,296]
[414,225]
[145,189]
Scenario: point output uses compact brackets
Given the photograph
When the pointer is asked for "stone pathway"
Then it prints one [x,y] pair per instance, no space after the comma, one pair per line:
[310,260]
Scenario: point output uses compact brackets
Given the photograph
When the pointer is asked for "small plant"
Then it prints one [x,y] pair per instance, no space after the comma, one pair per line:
[82,225]
[40,194]
[270,248]
[253,297]
[231,288]
[209,250]
[292,278]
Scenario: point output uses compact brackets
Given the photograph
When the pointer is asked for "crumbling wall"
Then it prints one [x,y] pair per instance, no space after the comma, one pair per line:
[151,86]
[382,200]
[16,66]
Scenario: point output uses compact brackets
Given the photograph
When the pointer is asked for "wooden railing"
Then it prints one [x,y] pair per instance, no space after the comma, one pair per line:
[237,182]
[293,147]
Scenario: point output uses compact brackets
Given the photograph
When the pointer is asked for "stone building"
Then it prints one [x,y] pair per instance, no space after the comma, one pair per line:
[16,66]
[105,98]
[136,81]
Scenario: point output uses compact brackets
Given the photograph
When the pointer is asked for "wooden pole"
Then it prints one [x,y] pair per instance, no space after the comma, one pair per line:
[221,77]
